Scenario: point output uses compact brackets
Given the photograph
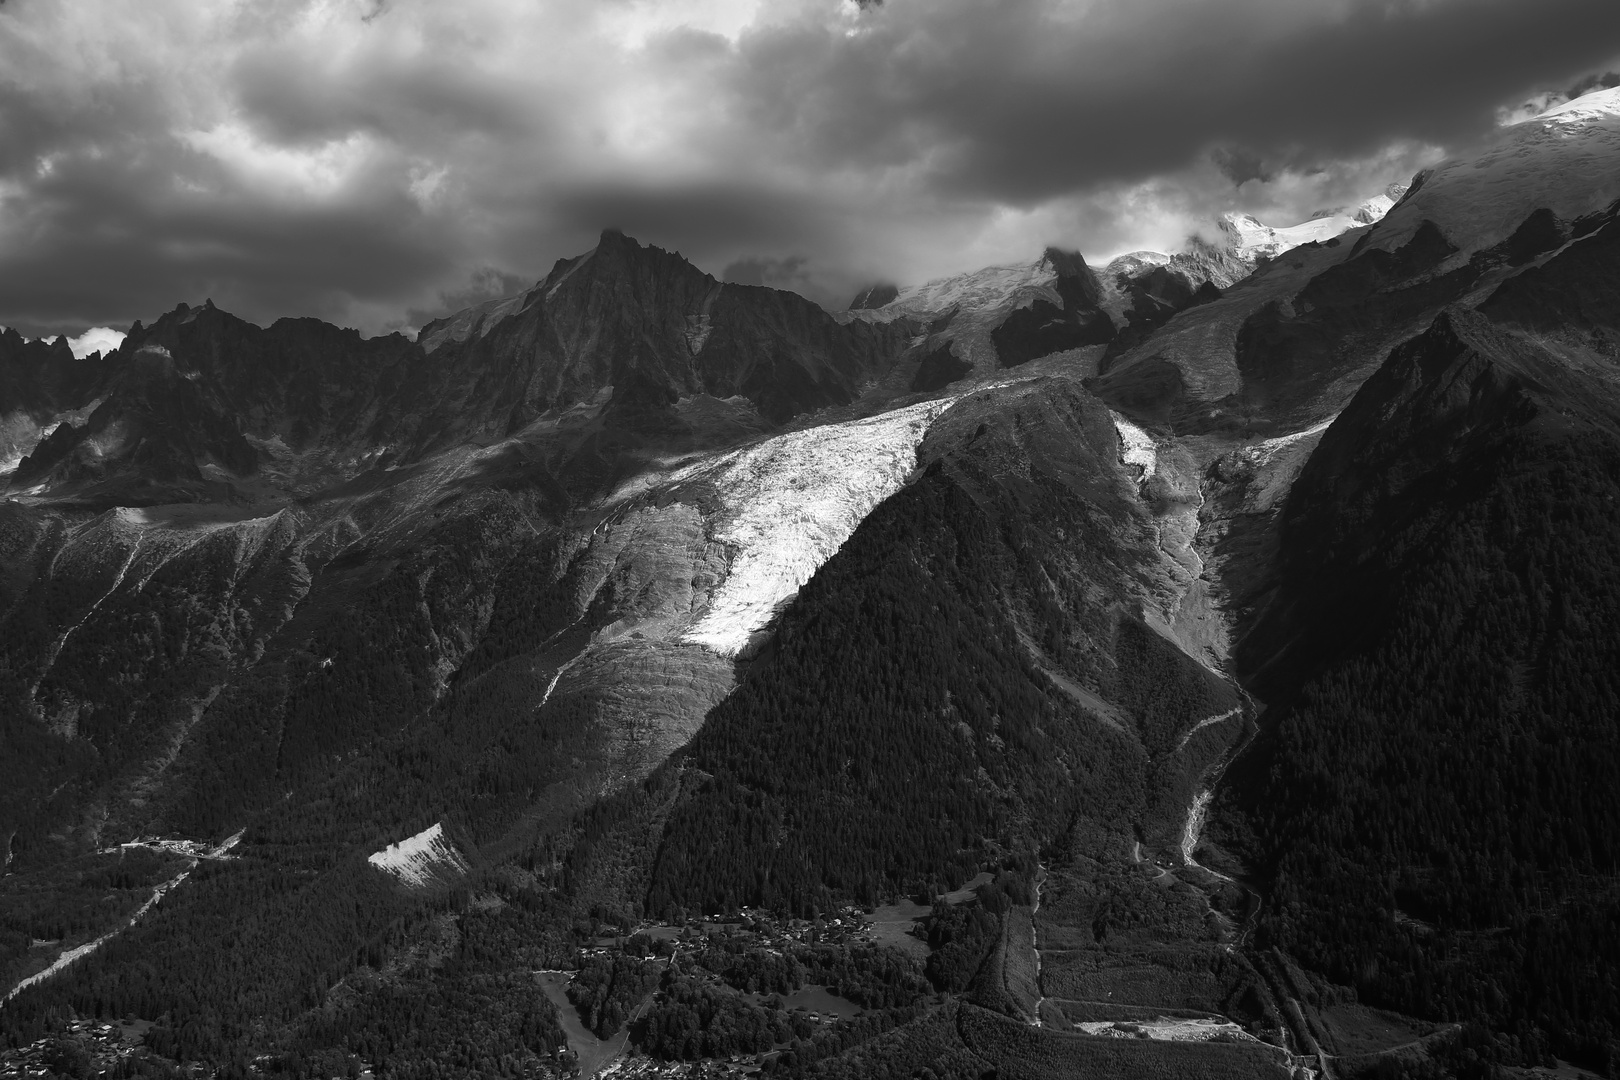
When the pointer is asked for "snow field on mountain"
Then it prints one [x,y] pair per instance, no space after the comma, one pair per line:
[1250,239]
[982,290]
[421,859]
[1566,160]
[791,502]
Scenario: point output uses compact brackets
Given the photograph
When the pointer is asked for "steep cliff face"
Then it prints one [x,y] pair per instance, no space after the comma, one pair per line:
[159,434]
[42,386]
[314,404]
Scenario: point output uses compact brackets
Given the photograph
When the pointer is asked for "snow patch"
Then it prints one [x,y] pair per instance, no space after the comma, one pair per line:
[789,503]
[1136,446]
[421,860]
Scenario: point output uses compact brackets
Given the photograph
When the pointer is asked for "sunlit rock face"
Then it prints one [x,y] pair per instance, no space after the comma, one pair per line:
[419,861]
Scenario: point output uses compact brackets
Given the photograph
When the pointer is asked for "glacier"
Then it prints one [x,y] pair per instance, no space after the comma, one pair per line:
[790,502]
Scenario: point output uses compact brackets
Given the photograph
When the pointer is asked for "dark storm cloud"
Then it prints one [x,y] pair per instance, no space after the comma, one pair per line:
[1239,164]
[293,97]
[116,243]
[1025,100]
[792,273]
[379,163]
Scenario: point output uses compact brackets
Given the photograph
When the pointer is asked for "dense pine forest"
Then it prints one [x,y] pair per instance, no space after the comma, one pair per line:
[1438,806]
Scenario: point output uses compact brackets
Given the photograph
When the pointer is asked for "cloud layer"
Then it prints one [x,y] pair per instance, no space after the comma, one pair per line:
[377,162]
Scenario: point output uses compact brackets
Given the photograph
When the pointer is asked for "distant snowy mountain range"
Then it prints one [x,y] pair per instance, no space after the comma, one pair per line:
[1243,243]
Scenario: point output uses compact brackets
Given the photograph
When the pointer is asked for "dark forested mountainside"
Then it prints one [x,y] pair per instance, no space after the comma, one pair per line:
[1434,801]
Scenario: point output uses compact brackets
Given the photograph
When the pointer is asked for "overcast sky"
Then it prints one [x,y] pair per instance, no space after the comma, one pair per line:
[380,162]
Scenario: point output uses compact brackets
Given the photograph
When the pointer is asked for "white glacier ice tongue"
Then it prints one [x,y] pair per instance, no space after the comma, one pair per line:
[791,502]
[421,859]
[1136,446]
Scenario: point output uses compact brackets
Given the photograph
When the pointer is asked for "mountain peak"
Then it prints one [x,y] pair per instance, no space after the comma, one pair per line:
[1251,240]
[1066,263]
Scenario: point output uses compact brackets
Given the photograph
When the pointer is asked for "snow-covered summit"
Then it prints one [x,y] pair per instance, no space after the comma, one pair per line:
[1251,240]
[1566,160]
[1376,207]
[1244,242]
[1247,237]
[1597,107]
